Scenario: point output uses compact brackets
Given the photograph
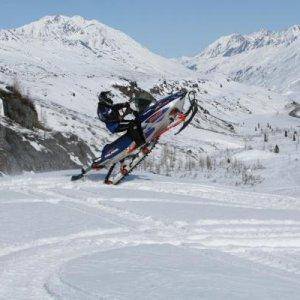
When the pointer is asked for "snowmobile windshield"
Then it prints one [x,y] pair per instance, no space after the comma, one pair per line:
[143,101]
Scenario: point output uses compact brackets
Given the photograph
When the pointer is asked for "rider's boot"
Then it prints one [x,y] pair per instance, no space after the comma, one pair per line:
[107,181]
[141,142]
[123,168]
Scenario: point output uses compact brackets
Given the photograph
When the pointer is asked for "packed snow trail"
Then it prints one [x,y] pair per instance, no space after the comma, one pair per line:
[150,237]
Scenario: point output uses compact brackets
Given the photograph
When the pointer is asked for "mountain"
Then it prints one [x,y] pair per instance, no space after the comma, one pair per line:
[69,59]
[53,37]
[61,63]
[226,219]
[264,58]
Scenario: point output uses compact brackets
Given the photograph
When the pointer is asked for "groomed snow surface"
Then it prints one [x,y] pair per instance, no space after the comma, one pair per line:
[151,237]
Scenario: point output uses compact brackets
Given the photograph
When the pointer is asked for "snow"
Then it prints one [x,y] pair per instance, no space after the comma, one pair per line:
[96,45]
[264,58]
[37,146]
[253,155]
[75,159]
[178,270]
[229,231]
[1,108]
[53,67]
[151,237]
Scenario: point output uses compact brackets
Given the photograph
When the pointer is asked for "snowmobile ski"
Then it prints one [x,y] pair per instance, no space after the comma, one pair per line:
[127,167]
[194,110]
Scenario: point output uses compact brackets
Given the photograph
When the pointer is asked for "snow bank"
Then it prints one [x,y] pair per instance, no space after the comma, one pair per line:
[253,155]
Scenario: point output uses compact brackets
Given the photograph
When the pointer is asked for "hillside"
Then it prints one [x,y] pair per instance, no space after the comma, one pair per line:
[213,212]
[58,45]
[265,58]
[62,63]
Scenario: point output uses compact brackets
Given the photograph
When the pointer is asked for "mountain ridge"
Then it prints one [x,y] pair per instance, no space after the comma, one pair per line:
[107,44]
[270,59]
[62,63]
[264,37]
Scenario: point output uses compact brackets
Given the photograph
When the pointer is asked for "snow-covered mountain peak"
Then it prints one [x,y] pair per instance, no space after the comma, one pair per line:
[55,25]
[236,43]
[264,58]
[226,46]
[294,29]
[65,28]
[266,37]
[70,44]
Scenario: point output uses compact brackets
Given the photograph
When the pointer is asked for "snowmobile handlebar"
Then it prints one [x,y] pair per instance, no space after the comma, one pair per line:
[192,95]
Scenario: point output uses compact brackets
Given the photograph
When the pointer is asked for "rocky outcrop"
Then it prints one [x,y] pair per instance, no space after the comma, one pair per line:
[27,150]
[132,90]
[25,145]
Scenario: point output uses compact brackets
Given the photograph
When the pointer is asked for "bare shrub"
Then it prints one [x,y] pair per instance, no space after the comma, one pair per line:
[19,107]
[18,94]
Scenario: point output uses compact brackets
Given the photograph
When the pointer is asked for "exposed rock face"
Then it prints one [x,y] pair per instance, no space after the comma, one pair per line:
[26,150]
[19,108]
[26,146]
[142,99]
[132,90]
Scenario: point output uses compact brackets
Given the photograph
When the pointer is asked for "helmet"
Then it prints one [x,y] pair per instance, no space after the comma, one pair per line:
[105,97]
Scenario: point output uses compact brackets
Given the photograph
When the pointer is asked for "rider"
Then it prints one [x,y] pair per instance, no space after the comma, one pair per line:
[109,113]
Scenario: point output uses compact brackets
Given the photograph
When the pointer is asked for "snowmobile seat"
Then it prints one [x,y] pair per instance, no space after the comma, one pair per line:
[116,147]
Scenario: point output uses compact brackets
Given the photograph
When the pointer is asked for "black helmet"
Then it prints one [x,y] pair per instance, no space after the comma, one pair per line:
[105,97]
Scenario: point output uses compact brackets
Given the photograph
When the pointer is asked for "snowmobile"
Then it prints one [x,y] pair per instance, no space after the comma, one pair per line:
[122,156]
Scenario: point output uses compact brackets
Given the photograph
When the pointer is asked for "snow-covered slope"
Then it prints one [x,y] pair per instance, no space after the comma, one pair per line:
[57,44]
[62,63]
[265,58]
[68,60]
[152,237]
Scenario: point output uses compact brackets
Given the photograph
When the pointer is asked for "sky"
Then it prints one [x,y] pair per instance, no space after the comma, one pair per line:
[171,28]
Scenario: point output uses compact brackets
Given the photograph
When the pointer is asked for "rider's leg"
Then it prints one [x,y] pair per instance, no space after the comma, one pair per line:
[136,132]
[134,129]
[114,127]
[122,126]
[139,128]
[140,131]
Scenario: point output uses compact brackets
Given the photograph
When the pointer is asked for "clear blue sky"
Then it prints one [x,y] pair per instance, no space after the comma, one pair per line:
[168,27]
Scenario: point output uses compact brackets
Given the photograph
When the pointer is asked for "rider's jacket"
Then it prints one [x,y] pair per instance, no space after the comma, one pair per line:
[110,115]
